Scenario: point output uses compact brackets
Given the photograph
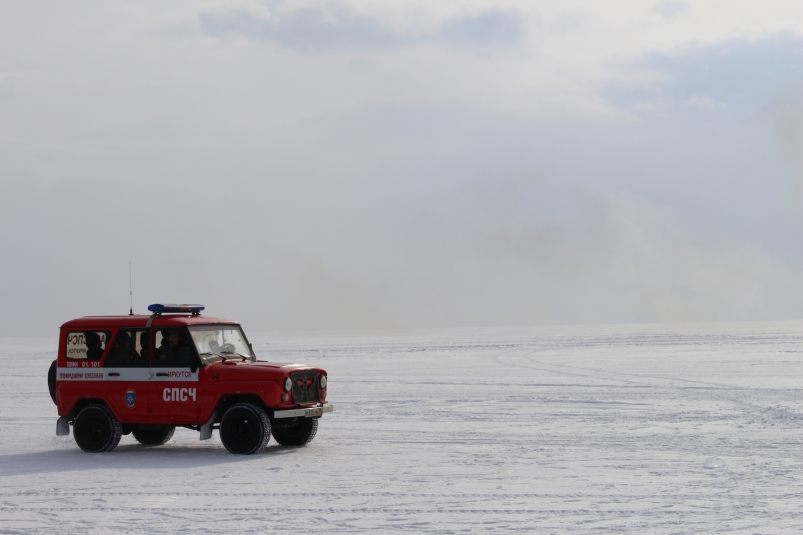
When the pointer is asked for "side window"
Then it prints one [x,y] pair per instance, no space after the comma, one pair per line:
[173,348]
[127,350]
[86,345]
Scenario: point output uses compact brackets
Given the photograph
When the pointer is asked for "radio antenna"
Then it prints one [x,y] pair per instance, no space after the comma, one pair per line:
[130,291]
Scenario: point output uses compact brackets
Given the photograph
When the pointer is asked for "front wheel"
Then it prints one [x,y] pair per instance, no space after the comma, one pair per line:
[299,434]
[244,429]
[153,435]
[96,429]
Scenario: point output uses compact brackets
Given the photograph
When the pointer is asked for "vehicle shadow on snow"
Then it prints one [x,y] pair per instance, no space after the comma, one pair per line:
[130,456]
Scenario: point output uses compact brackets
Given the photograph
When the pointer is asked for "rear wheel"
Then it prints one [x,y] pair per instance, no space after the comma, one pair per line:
[299,434]
[153,435]
[96,429]
[244,429]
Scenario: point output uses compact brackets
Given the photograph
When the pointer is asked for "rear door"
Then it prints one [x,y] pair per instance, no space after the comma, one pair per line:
[126,372]
[83,374]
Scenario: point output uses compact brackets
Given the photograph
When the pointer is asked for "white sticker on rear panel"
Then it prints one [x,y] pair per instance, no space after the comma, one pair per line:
[73,374]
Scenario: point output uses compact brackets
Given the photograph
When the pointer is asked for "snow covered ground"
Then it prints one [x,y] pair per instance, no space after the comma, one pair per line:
[555,430]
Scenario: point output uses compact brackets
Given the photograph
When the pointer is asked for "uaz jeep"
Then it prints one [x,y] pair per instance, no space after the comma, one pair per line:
[145,375]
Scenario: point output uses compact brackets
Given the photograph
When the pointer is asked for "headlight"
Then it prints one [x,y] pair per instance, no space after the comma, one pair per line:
[288,384]
[323,381]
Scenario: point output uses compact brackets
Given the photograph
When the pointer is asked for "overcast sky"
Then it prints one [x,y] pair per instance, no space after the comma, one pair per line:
[393,164]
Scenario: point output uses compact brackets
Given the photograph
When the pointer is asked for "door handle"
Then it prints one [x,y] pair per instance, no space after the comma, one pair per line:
[161,375]
[114,374]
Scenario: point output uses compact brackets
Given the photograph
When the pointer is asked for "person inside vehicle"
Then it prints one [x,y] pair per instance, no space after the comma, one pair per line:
[120,353]
[173,351]
[94,346]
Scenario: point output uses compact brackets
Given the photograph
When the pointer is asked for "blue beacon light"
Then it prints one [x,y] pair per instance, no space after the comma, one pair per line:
[159,308]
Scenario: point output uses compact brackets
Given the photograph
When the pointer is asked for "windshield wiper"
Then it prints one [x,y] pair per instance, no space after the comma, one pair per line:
[234,353]
[209,355]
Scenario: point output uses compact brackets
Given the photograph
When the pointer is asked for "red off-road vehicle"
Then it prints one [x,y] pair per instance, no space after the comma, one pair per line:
[145,375]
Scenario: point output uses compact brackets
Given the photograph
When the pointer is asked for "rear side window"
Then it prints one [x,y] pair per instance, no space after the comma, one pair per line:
[86,345]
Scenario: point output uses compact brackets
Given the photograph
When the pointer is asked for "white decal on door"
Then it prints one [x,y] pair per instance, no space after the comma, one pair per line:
[178,394]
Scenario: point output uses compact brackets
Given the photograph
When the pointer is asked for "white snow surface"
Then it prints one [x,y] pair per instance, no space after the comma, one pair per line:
[549,430]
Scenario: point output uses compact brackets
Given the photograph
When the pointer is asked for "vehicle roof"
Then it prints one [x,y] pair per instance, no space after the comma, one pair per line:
[140,320]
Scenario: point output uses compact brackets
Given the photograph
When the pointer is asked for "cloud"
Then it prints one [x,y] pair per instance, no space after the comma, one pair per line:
[739,74]
[672,9]
[493,27]
[704,102]
[789,136]
[336,27]
[305,29]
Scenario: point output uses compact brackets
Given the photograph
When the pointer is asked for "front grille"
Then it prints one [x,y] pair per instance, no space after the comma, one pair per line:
[305,386]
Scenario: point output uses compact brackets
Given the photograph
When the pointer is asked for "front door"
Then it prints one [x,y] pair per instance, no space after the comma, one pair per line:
[174,391]
[126,373]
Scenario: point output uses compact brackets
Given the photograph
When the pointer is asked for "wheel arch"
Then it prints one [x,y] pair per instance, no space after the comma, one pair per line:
[83,402]
[227,400]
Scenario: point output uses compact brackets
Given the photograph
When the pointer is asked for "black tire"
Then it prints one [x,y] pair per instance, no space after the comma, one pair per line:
[244,429]
[299,434]
[96,429]
[153,435]
[51,380]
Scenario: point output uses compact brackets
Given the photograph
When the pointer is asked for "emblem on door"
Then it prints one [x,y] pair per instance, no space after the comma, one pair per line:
[130,398]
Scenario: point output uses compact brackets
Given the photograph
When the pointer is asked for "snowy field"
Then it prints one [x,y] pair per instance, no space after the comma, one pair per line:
[549,430]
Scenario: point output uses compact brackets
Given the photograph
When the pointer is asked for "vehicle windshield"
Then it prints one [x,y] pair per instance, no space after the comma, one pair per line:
[221,342]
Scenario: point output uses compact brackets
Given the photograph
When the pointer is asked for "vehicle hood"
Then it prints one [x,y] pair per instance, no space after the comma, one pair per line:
[231,370]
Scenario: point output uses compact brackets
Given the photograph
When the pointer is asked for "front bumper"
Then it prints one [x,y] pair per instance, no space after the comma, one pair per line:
[310,412]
